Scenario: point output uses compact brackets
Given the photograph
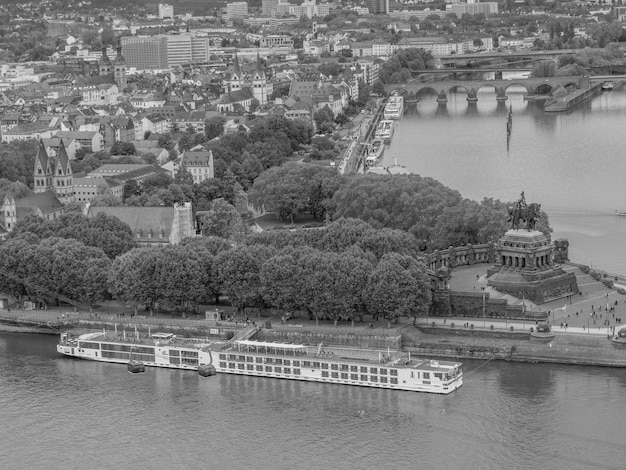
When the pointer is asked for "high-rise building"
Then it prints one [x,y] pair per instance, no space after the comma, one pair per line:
[178,49]
[145,52]
[378,6]
[237,9]
[166,11]
[486,8]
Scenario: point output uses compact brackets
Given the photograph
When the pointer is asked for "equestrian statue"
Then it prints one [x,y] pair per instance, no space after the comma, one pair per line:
[529,213]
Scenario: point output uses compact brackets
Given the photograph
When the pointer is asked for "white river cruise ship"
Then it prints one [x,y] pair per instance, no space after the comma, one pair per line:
[369,368]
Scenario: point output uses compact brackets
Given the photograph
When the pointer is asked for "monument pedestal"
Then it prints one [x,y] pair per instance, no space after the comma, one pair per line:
[525,268]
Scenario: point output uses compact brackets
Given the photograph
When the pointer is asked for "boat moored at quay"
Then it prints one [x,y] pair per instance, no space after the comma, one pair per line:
[375,152]
[392,370]
[384,131]
[394,107]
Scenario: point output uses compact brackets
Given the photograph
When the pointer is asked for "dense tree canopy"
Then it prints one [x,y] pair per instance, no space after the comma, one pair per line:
[105,232]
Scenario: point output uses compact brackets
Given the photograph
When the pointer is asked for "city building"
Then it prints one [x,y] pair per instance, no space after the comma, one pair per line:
[237,9]
[145,52]
[119,68]
[200,164]
[166,11]
[460,9]
[378,6]
[268,7]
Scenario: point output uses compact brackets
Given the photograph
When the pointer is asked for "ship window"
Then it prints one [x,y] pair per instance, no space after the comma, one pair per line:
[393,380]
[427,375]
[316,365]
[334,375]
[259,368]
[249,359]
[334,366]
[354,369]
[383,371]
[241,366]
[438,375]
[373,370]
[278,370]
[296,372]
[344,367]
[268,368]
[306,363]
[374,378]
[354,376]
[287,370]
[241,358]
[232,357]
[223,365]
[364,378]
[344,375]
[296,363]
[231,365]
[286,362]
[324,373]
[249,366]
[383,380]
[393,372]
[259,360]
[363,369]
[278,361]
[324,366]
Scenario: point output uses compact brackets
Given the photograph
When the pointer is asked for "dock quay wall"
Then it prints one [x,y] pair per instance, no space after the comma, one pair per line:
[572,99]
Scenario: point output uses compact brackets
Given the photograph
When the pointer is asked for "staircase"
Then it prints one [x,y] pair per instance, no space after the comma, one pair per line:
[242,335]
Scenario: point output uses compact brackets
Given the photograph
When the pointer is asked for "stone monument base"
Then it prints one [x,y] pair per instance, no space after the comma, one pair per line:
[525,268]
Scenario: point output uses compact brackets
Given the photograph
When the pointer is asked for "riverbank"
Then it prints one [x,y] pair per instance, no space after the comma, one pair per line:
[461,338]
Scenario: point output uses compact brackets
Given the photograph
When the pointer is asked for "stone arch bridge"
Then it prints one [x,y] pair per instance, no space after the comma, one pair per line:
[443,89]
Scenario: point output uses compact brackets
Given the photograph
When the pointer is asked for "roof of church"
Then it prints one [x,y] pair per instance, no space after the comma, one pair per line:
[119,58]
[62,159]
[105,58]
[45,202]
[42,156]
[236,67]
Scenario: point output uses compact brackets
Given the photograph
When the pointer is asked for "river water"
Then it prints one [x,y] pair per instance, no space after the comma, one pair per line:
[59,412]
[572,163]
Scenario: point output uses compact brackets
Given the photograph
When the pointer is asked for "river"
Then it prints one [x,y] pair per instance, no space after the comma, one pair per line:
[572,163]
[59,412]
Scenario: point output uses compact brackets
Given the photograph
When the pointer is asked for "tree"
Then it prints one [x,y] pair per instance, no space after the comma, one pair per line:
[123,148]
[223,220]
[379,87]
[324,120]
[133,278]
[214,127]
[238,274]
[397,286]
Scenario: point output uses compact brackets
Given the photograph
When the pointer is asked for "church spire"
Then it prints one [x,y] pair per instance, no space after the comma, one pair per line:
[236,68]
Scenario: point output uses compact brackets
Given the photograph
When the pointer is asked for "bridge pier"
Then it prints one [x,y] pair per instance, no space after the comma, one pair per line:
[472,99]
[502,98]
[442,97]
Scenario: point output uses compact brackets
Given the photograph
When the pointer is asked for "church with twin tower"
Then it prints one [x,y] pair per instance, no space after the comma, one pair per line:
[54,174]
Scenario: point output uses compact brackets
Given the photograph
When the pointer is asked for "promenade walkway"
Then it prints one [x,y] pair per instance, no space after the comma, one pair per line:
[584,313]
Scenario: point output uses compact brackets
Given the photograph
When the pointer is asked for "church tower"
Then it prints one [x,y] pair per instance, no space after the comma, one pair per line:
[119,68]
[105,63]
[63,181]
[236,79]
[259,82]
[43,171]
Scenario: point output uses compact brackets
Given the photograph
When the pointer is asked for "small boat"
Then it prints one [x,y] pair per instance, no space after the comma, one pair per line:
[206,370]
[607,86]
[620,213]
[135,367]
